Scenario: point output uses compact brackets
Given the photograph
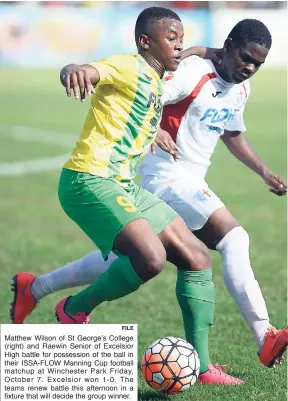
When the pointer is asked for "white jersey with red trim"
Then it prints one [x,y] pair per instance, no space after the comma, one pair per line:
[199,106]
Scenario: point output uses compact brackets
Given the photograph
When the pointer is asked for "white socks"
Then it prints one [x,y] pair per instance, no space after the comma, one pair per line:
[80,272]
[241,284]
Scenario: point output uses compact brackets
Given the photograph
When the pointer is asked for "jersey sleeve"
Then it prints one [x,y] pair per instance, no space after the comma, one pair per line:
[237,122]
[114,70]
[181,83]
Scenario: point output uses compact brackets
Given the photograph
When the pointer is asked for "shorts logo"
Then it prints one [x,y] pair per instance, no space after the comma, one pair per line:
[126,204]
[202,195]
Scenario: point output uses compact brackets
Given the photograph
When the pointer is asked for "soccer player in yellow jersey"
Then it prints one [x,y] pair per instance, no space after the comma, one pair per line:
[97,190]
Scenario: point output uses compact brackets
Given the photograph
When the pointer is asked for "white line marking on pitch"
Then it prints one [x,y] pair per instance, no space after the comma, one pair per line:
[35,135]
[33,166]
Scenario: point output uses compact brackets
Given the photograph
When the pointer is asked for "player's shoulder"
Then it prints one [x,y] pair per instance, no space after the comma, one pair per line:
[121,59]
[246,87]
[245,90]
[192,68]
[198,63]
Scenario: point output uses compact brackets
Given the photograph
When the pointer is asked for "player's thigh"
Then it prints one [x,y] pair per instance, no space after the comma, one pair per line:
[191,199]
[183,249]
[100,206]
[217,226]
[139,238]
[202,210]
[153,209]
[141,244]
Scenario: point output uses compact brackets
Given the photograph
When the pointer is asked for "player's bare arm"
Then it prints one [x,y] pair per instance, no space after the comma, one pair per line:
[203,52]
[165,142]
[239,146]
[81,79]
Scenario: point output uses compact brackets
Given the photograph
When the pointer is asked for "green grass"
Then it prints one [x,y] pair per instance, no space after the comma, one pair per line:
[36,235]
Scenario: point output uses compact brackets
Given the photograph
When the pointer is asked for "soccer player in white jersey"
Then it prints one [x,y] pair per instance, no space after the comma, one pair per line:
[204,101]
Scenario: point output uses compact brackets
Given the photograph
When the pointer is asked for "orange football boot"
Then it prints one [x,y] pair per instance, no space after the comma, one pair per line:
[64,318]
[275,344]
[216,374]
[24,302]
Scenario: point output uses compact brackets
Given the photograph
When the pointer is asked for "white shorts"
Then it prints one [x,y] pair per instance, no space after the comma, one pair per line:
[191,199]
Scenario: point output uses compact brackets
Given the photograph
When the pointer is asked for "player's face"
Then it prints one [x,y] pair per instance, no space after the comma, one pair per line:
[166,44]
[241,63]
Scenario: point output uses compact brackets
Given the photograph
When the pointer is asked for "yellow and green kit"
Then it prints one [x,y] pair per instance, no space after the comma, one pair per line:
[96,187]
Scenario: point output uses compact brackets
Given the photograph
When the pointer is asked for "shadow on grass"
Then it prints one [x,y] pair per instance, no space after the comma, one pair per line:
[150,395]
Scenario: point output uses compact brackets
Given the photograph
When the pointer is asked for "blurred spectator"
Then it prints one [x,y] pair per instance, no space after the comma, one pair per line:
[139,4]
[52,3]
[188,5]
[94,3]
[266,4]
[10,3]
[236,4]
[185,5]
[247,4]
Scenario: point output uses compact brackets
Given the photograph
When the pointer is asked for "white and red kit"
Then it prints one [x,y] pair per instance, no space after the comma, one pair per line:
[199,106]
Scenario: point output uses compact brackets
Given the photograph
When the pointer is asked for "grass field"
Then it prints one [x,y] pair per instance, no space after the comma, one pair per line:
[36,235]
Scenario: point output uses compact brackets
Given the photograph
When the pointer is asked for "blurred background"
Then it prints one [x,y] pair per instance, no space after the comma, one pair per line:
[50,33]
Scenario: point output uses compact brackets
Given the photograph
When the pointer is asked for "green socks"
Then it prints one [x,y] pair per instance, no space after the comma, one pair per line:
[195,294]
[194,290]
[119,280]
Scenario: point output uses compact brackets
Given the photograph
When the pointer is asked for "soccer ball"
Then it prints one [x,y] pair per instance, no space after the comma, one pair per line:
[170,365]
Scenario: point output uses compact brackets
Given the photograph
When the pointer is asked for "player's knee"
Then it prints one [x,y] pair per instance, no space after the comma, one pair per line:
[156,261]
[243,236]
[202,258]
[199,258]
[235,239]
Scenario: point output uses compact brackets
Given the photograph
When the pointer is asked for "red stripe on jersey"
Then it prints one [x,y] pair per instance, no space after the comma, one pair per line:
[174,113]
[169,76]
[245,90]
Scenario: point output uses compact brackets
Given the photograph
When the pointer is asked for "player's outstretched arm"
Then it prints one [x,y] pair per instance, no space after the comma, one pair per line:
[239,146]
[80,79]
[203,52]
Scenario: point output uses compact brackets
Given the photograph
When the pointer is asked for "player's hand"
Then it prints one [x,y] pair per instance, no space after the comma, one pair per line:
[277,184]
[77,79]
[166,143]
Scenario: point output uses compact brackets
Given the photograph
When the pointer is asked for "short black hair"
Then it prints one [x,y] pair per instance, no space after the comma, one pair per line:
[251,30]
[145,21]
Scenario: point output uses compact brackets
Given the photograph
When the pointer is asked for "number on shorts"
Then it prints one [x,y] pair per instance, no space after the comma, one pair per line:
[126,204]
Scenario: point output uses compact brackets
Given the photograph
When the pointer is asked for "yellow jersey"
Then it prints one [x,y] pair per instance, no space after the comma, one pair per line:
[122,120]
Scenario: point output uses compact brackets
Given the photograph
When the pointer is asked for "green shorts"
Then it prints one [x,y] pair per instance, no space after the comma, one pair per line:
[102,207]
